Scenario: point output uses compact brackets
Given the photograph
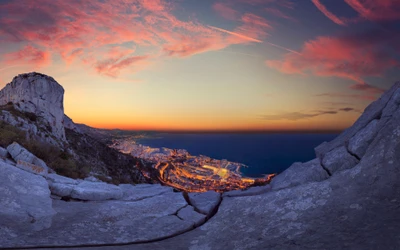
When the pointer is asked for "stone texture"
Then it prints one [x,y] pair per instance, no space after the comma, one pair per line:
[188,214]
[25,201]
[83,223]
[359,143]
[69,124]
[338,159]
[205,202]
[248,192]
[38,94]
[19,153]
[374,111]
[61,189]
[55,178]
[298,174]
[3,152]
[96,191]
[32,168]
[142,191]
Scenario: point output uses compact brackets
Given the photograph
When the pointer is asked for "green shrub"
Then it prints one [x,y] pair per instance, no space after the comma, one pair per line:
[9,134]
[60,161]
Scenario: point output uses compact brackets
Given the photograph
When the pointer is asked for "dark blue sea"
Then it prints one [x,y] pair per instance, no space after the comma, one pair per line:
[262,153]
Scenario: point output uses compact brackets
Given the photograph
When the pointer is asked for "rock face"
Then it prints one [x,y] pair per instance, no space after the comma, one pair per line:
[25,201]
[38,94]
[346,198]
[206,202]
[300,173]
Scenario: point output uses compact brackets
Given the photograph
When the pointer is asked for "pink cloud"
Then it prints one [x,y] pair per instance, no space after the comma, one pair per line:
[327,13]
[382,10]
[29,55]
[225,11]
[279,13]
[112,66]
[79,31]
[351,57]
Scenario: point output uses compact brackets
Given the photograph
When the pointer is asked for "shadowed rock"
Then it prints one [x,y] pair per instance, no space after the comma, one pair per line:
[299,173]
[25,201]
[205,202]
[338,159]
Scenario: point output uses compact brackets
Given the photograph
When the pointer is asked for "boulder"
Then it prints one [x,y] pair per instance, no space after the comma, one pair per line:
[61,189]
[38,94]
[3,152]
[338,159]
[96,191]
[19,153]
[298,174]
[32,168]
[205,202]
[55,178]
[25,201]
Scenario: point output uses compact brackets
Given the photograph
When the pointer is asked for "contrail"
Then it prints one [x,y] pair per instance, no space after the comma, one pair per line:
[252,39]
[289,50]
[236,34]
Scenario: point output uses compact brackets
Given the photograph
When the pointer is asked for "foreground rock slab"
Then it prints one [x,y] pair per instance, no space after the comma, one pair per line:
[300,173]
[205,202]
[25,201]
[104,222]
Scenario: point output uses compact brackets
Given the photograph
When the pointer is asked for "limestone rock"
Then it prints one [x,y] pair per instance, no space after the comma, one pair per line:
[25,200]
[61,189]
[69,124]
[248,192]
[205,202]
[55,178]
[115,222]
[142,191]
[188,214]
[96,191]
[359,143]
[38,94]
[338,159]
[374,111]
[3,152]
[298,174]
[26,159]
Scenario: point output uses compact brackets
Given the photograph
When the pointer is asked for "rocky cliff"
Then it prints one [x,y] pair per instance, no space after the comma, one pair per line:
[38,94]
[32,114]
[346,198]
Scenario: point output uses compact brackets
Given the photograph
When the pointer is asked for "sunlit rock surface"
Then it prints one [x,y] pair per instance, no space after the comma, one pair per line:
[38,94]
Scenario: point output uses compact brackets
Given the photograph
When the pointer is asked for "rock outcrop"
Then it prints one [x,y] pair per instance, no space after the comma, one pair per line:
[39,94]
[346,198]
[26,160]
[25,201]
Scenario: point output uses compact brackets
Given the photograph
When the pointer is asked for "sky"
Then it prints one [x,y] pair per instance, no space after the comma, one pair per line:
[191,65]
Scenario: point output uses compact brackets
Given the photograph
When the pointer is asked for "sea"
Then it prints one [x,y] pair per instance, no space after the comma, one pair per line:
[262,153]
